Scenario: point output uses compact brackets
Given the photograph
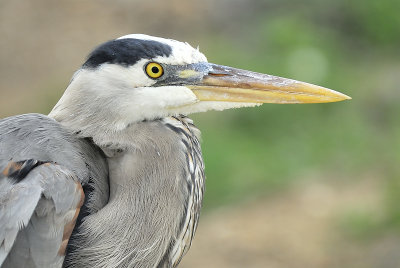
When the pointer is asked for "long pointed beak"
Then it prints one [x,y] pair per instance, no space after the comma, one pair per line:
[229,84]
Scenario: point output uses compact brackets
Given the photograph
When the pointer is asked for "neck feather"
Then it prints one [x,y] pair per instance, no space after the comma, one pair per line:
[149,195]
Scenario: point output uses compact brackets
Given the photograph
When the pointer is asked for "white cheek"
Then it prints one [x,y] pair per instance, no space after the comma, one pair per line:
[137,76]
[164,97]
[154,102]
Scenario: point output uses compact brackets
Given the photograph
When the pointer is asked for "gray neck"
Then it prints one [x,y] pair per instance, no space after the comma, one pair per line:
[149,195]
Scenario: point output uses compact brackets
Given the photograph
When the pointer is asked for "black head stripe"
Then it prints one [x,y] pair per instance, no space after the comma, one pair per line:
[126,52]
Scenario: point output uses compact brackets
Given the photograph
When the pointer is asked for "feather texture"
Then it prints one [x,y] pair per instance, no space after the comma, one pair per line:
[38,210]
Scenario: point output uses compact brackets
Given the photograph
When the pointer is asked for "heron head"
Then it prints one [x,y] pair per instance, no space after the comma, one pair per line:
[140,77]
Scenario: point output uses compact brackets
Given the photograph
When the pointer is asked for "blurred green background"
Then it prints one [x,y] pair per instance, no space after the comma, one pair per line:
[287,185]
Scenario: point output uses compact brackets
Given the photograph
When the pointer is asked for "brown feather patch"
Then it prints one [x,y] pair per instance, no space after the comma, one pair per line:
[69,227]
[11,168]
[20,169]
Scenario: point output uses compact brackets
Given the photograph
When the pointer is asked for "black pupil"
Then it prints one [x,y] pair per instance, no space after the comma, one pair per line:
[155,69]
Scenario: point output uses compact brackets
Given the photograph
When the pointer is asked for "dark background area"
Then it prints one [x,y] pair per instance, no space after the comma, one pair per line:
[287,185]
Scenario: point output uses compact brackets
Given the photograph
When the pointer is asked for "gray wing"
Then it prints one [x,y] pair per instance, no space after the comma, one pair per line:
[37,215]
[42,170]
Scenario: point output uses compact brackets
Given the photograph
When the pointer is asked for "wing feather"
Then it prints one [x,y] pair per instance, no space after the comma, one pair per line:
[43,167]
[34,214]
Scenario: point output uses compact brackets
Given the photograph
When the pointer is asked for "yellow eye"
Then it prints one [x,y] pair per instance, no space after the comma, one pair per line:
[154,70]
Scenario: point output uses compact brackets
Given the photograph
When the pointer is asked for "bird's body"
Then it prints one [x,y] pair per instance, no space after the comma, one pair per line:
[141,147]
[118,157]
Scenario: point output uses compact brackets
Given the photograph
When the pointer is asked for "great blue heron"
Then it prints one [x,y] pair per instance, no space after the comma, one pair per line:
[114,176]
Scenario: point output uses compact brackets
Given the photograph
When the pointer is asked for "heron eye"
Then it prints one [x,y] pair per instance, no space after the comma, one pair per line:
[154,70]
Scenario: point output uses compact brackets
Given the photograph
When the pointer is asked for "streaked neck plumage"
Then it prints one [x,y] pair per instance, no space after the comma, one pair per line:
[156,189]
